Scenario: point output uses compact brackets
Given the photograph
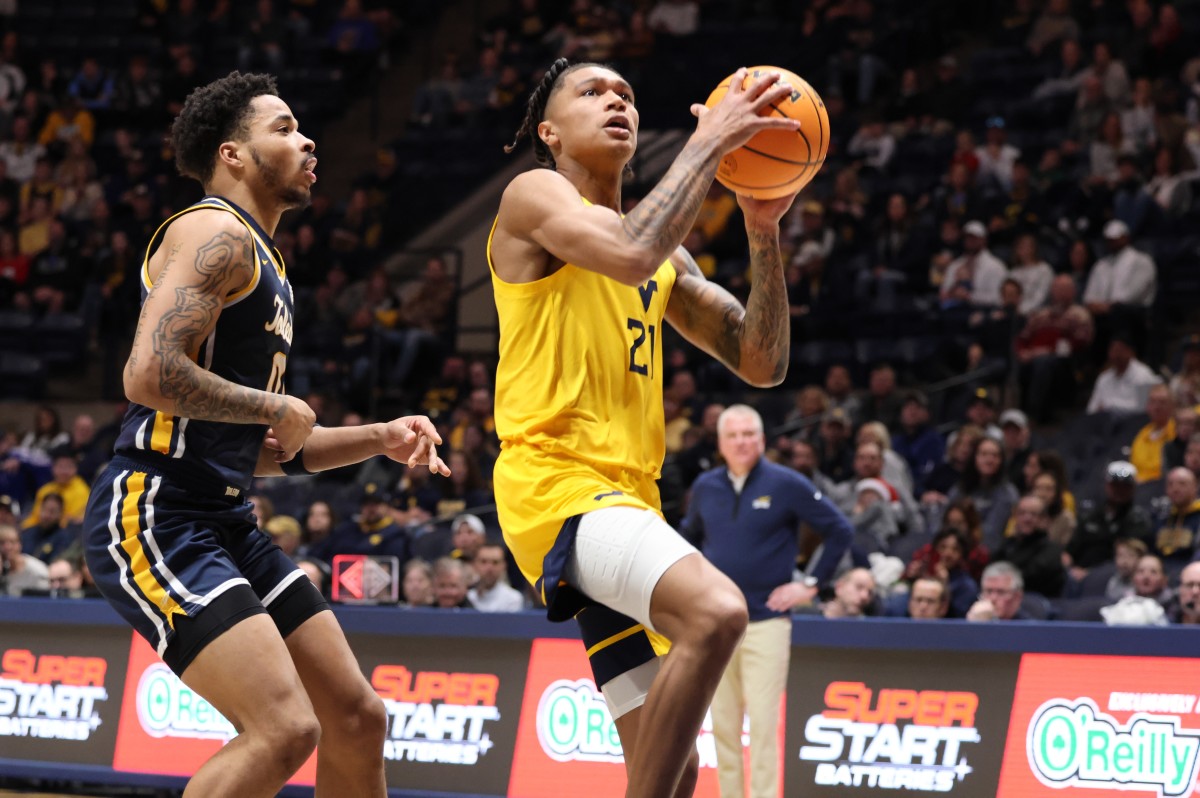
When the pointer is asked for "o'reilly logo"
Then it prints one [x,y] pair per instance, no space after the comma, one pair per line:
[1074,744]
[167,707]
[573,724]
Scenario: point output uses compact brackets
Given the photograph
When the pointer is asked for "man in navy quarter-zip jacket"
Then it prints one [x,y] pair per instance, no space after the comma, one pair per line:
[745,516]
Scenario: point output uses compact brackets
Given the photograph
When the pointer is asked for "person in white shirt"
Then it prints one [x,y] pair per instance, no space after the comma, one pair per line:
[1033,273]
[977,275]
[872,143]
[996,156]
[1125,385]
[674,17]
[492,593]
[1124,277]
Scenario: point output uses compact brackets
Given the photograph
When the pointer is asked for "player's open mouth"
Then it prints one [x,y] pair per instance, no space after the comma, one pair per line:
[619,126]
[310,169]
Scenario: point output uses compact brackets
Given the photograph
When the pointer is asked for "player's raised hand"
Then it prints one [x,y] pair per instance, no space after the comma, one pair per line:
[735,119]
[765,211]
[413,440]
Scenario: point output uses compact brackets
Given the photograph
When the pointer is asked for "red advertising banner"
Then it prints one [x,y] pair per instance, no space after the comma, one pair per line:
[1097,726]
[567,737]
[167,728]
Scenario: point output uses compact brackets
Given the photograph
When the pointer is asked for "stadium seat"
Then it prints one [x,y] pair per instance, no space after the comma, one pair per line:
[21,376]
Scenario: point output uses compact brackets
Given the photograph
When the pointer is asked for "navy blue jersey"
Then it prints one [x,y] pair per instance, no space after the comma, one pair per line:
[249,347]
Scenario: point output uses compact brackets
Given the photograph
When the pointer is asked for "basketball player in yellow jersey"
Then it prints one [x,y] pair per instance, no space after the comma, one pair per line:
[581,293]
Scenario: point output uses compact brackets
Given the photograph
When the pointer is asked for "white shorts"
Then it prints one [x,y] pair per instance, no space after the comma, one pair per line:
[618,557]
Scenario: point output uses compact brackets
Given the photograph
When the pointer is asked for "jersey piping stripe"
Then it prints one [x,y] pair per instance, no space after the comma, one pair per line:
[209,204]
[133,522]
[279,588]
[618,637]
[163,432]
[114,548]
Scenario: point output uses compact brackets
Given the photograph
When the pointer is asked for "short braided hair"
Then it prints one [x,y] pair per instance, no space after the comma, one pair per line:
[535,108]
[214,114]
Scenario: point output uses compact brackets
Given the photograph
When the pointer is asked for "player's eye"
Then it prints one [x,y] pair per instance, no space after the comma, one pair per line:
[283,129]
[626,97]
[589,92]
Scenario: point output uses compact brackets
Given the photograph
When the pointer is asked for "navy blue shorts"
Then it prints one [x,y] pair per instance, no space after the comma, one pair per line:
[182,565]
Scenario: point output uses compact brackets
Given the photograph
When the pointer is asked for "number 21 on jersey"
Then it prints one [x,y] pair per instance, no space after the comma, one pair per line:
[641,332]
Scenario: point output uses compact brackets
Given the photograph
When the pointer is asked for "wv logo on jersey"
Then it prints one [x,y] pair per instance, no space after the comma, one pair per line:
[762,503]
[647,293]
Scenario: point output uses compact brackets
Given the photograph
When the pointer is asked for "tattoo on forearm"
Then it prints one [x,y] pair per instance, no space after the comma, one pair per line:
[711,314]
[667,213]
[767,326]
[198,393]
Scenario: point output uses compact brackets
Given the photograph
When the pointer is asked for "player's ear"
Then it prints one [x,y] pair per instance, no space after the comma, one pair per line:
[547,134]
[230,153]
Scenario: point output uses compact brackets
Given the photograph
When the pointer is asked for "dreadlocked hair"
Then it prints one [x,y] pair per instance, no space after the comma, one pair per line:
[535,109]
[214,114]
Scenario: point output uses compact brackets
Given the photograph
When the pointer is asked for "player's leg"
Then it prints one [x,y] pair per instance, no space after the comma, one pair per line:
[247,674]
[353,721]
[630,560]
[627,728]
[764,655]
[728,709]
[704,615]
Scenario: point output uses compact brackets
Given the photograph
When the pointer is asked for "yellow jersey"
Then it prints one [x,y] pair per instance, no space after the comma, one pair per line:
[579,405]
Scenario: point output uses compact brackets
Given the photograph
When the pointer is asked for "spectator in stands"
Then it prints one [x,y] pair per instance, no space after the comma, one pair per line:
[1185,386]
[373,532]
[1124,386]
[67,485]
[874,511]
[46,534]
[1150,580]
[1090,110]
[1060,523]
[1054,25]
[1123,278]
[47,433]
[469,536]
[20,151]
[946,560]
[1186,422]
[65,578]
[949,95]
[853,595]
[839,387]
[1030,549]
[996,156]
[1066,75]
[1106,150]
[491,592]
[1127,553]
[18,571]
[1178,525]
[872,145]
[319,523]
[477,411]
[882,400]
[804,461]
[674,17]
[1014,430]
[57,275]
[69,122]
[835,453]
[1146,452]
[417,586]
[464,489]
[138,93]
[8,511]
[450,584]
[1033,273]
[92,86]
[921,446]
[285,533]
[895,468]
[263,508]
[811,405]
[1184,607]
[974,278]
[1000,596]
[1047,345]
[985,483]
[928,599]
[1118,518]
[1170,190]
[946,475]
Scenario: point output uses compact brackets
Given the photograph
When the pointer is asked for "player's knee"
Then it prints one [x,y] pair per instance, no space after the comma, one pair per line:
[364,725]
[295,739]
[723,619]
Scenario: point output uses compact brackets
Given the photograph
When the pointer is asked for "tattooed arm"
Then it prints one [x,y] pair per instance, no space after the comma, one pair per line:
[205,256]
[541,212]
[753,341]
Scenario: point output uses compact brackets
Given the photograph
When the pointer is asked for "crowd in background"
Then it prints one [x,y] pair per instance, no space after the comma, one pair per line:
[1007,198]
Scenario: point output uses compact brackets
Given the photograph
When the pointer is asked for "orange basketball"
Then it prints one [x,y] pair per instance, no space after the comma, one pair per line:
[776,163]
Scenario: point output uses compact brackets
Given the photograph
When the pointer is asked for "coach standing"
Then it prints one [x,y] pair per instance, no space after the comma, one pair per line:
[746,516]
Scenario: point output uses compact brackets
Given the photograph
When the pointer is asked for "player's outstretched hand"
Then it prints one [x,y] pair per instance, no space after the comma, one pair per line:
[735,119]
[413,440]
[767,212]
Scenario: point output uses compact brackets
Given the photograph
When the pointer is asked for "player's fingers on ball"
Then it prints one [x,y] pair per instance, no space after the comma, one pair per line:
[699,110]
[766,85]
[737,81]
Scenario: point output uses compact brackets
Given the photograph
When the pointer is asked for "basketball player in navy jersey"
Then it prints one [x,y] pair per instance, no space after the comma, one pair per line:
[171,539]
